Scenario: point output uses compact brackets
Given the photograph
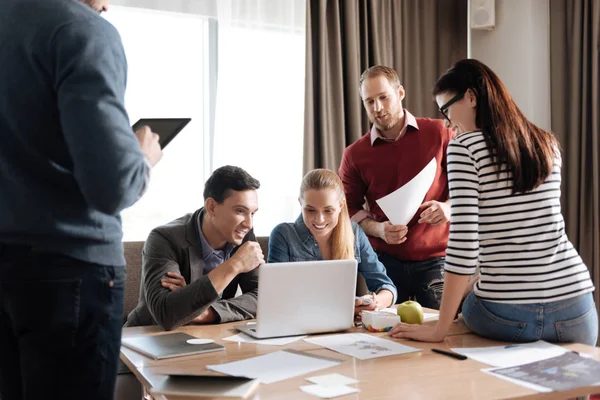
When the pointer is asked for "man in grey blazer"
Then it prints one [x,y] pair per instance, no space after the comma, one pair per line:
[193,265]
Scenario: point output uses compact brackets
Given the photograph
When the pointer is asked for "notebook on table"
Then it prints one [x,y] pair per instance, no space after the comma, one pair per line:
[168,345]
[207,386]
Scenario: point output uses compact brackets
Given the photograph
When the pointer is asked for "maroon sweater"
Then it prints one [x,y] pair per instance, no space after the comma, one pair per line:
[373,171]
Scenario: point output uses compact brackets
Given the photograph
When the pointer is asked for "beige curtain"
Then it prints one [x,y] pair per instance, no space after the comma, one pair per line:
[418,38]
[575,75]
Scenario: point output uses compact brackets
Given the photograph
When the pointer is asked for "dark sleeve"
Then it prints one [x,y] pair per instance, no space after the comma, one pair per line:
[278,246]
[244,306]
[171,309]
[90,78]
[354,187]
[241,307]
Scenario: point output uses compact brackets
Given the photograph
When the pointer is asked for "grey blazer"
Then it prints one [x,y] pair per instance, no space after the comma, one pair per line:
[176,247]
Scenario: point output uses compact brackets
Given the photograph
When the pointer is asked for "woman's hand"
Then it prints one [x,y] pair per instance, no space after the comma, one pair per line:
[421,333]
[367,302]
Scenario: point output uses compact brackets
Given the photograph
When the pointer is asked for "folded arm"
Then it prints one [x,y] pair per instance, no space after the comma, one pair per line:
[171,309]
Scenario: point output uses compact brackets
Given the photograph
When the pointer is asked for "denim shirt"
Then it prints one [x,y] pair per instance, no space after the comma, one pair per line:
[294,242]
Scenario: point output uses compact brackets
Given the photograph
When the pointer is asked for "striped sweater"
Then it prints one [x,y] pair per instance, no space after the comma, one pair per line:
[517,240]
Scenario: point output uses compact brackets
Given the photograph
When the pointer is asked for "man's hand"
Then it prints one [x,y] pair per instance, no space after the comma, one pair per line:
[436,213]
[149,144]
[392,234]
[209,316]
[248,257]
[173,281]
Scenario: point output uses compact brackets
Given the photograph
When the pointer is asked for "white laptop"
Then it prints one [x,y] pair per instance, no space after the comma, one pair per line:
[301,298]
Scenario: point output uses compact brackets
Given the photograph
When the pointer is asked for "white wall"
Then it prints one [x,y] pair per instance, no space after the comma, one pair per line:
[518,50]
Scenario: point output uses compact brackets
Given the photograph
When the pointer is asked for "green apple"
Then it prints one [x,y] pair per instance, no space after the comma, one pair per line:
[410,312]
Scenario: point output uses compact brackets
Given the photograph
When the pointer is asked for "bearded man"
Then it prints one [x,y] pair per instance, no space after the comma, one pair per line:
[396,148]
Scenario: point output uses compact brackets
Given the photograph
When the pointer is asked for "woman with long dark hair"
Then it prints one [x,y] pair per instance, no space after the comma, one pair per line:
[504,179]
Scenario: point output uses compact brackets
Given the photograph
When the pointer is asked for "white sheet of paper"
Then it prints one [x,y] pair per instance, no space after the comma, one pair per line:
[328,392]
[426,316]
[251,323]
[528,385]
[511,355]
[331,380]
[401,205]
[276,366]
[243,338]
[361,346]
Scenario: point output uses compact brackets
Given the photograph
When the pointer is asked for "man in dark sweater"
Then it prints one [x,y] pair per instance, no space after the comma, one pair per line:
[69,164]
[395,150]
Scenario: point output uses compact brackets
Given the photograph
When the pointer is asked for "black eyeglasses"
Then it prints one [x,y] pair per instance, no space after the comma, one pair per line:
[453,100]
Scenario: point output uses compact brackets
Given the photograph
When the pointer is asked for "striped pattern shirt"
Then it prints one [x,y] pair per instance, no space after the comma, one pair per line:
[517,240]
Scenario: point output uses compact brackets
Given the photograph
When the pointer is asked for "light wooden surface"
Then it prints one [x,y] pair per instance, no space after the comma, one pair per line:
[422,375]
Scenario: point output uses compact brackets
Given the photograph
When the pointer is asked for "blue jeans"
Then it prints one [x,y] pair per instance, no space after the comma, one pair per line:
[564,321]
[60,326]
[422,281]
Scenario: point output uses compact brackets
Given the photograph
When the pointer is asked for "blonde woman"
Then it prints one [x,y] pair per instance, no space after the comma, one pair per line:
[324,232]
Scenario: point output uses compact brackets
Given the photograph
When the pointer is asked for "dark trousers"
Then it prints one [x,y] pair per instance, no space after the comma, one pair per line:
[422,281]
[60,326]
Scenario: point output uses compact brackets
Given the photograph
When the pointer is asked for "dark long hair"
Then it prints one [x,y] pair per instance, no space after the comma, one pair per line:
[528,150]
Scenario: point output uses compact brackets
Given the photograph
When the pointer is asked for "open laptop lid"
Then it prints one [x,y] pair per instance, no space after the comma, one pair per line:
[307,297]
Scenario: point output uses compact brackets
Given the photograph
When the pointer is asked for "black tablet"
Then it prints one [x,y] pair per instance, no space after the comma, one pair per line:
[166,128]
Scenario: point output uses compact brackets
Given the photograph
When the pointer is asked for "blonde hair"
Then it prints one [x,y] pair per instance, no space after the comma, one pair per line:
[342,237]
[380,70]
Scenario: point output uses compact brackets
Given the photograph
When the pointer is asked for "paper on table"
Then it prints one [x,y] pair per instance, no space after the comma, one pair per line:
[328,392]
[426,316]
[430,316]
[401,205]
[528,385]
[276,366]
[243,338]
[361,346]
[511,355]
[561,373]
[331,380]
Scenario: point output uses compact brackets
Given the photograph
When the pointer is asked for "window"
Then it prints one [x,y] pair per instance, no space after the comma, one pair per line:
[260,116]
[242,83]
[166,78]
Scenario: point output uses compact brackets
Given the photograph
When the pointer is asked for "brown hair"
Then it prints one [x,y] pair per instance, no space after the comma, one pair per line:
[342,237]
[528,150]
[379,70]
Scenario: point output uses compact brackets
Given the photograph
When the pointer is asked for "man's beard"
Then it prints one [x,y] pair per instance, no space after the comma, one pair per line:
[382,128]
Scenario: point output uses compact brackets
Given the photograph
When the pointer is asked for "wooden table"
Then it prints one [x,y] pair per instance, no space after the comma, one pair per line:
[422,375]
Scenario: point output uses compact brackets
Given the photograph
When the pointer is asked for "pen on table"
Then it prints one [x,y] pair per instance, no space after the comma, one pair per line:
[450,354]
